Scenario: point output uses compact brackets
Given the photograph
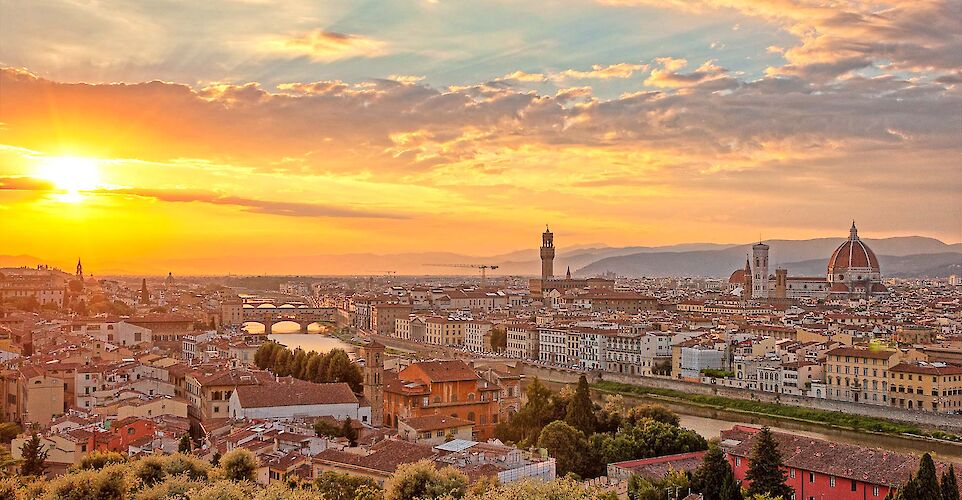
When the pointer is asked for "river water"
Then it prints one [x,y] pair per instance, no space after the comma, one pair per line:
[311,342]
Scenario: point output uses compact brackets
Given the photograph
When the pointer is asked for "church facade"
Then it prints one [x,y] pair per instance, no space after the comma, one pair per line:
[852,272]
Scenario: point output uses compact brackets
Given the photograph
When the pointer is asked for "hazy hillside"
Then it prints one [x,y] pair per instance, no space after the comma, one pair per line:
[722,262]
[707,259]
[939,265]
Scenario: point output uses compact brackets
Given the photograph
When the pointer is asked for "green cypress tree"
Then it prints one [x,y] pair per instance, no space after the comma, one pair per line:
[927,480]
[34,455]
[950,486]
[580,413]
[184,446]
[709,477]
[765,470]
[908,491]
[349,432]
[730,489]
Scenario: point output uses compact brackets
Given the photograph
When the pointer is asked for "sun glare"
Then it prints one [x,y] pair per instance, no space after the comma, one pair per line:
[72,174]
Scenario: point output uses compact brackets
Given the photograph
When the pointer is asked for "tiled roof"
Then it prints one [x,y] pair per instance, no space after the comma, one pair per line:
[861,353]
[446,370]
[869,465]
[384,456]
[435,422]
[294,393]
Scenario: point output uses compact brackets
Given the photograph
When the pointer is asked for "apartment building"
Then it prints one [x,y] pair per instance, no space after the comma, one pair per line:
[859,374]
[523,341]
[926,386]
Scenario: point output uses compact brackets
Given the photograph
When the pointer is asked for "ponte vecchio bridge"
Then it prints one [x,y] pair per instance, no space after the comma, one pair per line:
[269,314]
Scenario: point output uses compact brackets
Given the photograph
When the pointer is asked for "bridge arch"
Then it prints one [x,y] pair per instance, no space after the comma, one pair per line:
[254,327]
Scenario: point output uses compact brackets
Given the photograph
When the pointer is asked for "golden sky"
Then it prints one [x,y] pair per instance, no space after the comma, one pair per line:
[220,135]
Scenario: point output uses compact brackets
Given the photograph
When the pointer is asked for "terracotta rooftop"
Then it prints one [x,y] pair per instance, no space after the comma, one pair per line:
[294,393]
[872,466]
[435,422]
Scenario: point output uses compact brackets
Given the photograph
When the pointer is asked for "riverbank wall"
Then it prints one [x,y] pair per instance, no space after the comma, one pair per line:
[949,423]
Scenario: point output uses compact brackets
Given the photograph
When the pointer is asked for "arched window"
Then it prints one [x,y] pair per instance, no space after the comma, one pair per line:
[437,399]
[471,416]
[471,396]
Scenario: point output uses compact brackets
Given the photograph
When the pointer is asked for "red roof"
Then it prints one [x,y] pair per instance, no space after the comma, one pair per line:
[737,277]
[852,253]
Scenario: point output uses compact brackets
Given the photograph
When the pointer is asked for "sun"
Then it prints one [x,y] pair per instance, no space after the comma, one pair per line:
[71,174]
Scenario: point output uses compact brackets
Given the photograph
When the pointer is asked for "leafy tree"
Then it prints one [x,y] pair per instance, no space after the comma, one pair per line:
[310,367]
[334,486]
[567,445]
[927,480]
[215,459]
[97,460]
[765,470]
[298,363]
[185,445]
[525,426]
[560,489]
[423,480]
[349,432]
[239,465]
[325,429]
[340,369]
[499,339]
[8,431]
[281,365]
[580,411]
[647,438]
[714,470]
[950,486]
[657,413]
[150,470]
[34,455]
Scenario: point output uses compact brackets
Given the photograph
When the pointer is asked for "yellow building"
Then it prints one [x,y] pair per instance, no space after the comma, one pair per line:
[859,374]
[925,386]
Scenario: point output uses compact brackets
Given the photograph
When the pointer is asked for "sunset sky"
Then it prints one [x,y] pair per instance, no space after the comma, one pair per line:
[147,135]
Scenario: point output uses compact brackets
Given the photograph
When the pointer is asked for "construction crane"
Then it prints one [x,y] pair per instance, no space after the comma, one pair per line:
[483,267]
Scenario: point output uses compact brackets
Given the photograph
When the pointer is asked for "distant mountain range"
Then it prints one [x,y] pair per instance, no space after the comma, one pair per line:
[907,256]
[903,256]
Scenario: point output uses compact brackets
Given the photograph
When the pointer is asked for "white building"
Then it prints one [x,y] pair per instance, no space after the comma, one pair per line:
[694,359]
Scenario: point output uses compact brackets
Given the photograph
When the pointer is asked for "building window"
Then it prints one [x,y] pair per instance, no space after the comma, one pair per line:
[854,485]
[811,477]
[831,481]
[791,473]
[874,491]
[738,461]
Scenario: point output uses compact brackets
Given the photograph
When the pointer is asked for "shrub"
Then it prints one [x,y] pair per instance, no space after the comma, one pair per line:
[239,465]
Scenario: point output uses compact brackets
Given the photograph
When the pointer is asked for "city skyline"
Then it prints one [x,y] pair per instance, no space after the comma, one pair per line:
[138,134]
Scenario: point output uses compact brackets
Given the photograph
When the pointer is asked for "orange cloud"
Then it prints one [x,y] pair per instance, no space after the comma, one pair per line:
[324,46]
[668,76]
[836,38]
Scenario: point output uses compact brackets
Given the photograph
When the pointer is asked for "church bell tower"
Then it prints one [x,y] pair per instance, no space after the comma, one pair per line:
[374,380]
[547,254]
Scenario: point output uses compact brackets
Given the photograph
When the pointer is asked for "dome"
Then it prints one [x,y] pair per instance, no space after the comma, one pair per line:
[852,254]
[737,277]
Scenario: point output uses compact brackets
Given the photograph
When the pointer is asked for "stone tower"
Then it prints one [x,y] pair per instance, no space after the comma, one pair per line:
[80,269]
[747,290]
[547,254]
[781,284]
[760,274]
[144,294]
[374,380]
